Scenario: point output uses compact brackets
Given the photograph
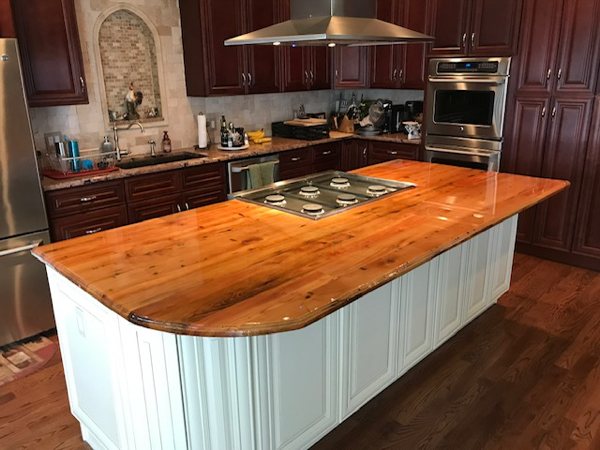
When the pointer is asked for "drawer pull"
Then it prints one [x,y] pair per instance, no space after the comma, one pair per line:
[393,153]
[178,208]
[94,231]
[296,159]
[187,206]
[91,198]
[328,152]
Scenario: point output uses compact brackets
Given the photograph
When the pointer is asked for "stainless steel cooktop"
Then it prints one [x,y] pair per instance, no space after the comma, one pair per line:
[323,194]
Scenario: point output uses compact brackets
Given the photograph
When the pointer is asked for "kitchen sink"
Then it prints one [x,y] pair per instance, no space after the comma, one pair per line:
[135,163]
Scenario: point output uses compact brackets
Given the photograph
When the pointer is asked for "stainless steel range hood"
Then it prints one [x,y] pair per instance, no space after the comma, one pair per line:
[332,22]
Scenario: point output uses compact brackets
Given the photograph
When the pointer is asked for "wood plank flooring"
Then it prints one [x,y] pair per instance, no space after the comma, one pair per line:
[525,375]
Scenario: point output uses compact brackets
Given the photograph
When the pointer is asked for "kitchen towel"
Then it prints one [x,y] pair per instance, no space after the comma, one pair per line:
[260,175]
[202,134]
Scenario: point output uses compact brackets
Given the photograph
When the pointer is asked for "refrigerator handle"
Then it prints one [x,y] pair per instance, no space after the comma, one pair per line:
[12,251]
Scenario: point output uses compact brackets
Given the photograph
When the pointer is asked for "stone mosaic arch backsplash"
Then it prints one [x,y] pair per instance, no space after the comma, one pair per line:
[128,55]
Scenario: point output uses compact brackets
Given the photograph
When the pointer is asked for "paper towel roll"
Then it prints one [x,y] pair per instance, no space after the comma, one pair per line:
[202,134]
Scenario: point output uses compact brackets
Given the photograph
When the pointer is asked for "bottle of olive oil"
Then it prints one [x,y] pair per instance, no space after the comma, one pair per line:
[166,143]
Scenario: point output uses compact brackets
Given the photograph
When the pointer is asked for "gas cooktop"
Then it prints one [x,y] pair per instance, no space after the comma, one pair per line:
[322,194]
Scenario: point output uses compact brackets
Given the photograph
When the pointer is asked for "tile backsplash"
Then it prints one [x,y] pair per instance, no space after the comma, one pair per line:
[87,122]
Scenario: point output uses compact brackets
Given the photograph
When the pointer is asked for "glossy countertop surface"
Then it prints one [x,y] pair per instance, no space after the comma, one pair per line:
[238,269]
[278,145]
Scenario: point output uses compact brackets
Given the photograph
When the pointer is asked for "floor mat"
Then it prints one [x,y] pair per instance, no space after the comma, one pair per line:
[24,358]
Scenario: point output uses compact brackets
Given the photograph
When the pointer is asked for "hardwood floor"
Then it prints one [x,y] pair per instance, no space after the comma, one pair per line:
[525,375]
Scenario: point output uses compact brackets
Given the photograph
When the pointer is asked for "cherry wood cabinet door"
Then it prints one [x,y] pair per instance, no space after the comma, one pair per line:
[50,52]
[414,56]
[224,66]
[587,235]
[7,27]
[384,58]
[579,47]
[89,223]
[494,27]
[524,151]
[563,159]
[351,67]
[449,25]
[262,60]
[154,208]
[296,64]
[354,155]
[320,71]
[386,151]
[540,29]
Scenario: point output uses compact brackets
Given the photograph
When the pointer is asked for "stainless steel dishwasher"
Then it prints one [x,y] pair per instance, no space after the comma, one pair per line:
[239,172]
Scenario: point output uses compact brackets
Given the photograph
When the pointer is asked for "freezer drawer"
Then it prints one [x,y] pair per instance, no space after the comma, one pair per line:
[25,305]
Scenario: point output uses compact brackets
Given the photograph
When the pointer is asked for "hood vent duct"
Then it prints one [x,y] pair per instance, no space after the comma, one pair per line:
[332,22]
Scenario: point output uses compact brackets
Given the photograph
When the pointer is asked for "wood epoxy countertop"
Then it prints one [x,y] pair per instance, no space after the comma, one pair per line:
[214,155]
[238,269]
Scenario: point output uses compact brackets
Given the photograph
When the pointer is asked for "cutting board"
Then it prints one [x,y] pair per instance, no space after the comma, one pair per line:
[306,122]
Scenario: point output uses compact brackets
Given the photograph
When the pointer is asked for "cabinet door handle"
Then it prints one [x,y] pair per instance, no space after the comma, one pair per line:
[306,77]
[549,74]
[82,82]
[178,208]
[543,112]
[337,74]
[401,74]
[554,112]
[243,78]
[472,40]
[464,40]
[94,231]
[364,152]
[250,79]
[559,74]
[296,159]
[187,206]
[312,76]
[394,74]
[91,198]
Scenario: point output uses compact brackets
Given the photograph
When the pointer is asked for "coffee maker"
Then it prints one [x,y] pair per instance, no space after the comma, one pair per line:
[407,112]
[388,122]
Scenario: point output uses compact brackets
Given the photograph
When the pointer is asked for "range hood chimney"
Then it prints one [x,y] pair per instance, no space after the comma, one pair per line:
[332,22]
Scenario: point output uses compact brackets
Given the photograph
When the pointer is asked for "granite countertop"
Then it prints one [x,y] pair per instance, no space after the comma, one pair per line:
[240,269]
[278,145]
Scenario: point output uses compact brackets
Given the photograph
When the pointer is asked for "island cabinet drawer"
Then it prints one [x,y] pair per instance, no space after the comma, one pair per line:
[155,207]
[86,198]
[89,223]
[203,197]
[296,163]
[327,157]
[147,187]
[208,176]
[387,151]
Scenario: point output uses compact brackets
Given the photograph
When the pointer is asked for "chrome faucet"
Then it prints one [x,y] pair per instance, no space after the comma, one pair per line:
[120,153]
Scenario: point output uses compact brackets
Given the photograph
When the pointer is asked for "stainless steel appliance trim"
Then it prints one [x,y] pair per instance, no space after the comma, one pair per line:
[244,168]
[504,64]
[490,158]
[466,80]
[236,167]
[24,248]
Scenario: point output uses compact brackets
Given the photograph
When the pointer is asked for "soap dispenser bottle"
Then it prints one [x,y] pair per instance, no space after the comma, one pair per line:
[106,146]
[166,143]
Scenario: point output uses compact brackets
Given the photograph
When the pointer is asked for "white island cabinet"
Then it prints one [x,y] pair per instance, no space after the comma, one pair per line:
[135,388]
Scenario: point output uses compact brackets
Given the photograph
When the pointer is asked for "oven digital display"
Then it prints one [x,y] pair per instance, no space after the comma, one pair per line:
[490,67]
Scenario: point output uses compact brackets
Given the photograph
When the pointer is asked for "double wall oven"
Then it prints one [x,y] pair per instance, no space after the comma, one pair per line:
[465,109]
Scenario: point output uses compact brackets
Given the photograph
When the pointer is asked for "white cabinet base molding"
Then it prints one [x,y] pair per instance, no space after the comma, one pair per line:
[136,388]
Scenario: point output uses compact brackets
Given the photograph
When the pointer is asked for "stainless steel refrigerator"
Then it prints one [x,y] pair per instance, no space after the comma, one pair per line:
[25,306]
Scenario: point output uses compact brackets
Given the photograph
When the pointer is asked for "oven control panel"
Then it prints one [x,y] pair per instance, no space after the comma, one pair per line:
[490,67]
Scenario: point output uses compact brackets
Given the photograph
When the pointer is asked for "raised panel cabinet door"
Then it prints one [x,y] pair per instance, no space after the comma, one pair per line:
[503,242]
[354,155]
[225,68]
[152,209]
[70,227]
[7,27]
[414,56]
[494,27]
[263,60]
[50,52]
[478,288]
[151,186]
[525,148]
[417,299]
[301,384]
[369,346]
[351,67]
[320,70]
[540,29]
[78,200]
[449,294]
[384,58]
[563,159]
[388,151]
[587,240]
[580,47]
[296,65]
[449,24]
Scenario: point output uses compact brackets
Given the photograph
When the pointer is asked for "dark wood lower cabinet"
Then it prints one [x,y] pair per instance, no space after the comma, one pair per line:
[387,151]
[69,227]
[327,157]
[154,208]
[354,155]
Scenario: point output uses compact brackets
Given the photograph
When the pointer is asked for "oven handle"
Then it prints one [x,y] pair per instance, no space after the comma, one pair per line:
[484,153]
[235,169]
[491,81]
[13,251]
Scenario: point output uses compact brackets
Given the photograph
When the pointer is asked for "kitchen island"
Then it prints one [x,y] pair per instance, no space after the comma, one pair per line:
[238,326]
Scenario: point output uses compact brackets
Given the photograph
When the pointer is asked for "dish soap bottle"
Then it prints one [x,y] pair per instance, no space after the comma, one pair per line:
[166,143]
[106,146]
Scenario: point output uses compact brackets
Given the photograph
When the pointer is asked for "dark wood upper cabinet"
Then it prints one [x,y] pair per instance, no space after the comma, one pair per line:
[587,234]
[449,22]
[320,77]
[351,67]
[563,159]
[7,27]
[578,55]
[414,56]
[50,52]
[494,27]
[211,68]
[386,59]
[475,27]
